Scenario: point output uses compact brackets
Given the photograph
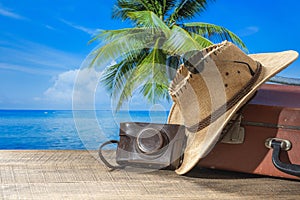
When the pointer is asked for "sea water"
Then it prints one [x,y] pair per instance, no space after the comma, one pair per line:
[57,129]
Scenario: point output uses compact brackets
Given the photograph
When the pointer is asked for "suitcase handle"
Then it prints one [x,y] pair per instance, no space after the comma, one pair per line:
[277,145]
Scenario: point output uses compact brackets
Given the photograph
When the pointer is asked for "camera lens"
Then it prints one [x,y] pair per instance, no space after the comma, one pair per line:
[150,140]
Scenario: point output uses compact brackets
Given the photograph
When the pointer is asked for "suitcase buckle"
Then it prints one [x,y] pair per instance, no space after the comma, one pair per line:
[285,145]
[233,133]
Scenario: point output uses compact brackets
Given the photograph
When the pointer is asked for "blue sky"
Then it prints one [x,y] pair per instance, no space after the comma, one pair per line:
[43,43]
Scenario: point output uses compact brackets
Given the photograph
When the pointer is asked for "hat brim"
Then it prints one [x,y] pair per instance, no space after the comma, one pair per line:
[204,140]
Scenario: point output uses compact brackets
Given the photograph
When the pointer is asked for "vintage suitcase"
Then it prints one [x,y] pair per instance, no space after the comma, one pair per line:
[249,145]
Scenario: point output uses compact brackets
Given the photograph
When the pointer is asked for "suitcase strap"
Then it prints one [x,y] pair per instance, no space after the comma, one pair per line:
[277,145]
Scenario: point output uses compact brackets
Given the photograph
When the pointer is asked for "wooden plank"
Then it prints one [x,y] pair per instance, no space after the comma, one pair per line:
[79,175]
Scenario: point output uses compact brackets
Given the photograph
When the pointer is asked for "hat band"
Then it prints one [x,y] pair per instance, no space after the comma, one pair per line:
[228,105]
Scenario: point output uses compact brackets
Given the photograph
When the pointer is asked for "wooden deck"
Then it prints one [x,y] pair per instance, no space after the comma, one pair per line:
[79,175]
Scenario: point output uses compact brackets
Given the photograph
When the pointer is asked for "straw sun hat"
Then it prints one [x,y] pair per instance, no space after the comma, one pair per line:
[211,86]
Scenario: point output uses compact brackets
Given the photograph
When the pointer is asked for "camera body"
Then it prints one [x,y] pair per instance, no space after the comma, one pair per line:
[151,145]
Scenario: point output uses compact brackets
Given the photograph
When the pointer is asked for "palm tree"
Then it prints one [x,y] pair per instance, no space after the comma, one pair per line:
[159,37]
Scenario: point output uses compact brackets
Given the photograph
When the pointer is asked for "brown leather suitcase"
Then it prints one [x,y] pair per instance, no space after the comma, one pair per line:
[249,145]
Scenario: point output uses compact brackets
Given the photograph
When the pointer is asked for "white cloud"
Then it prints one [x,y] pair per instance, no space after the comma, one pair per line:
[250,30]
[63,87]
[6,13]
[78,27]
[79,87]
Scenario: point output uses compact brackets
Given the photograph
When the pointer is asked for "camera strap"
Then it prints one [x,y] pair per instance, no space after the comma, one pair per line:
[104,159]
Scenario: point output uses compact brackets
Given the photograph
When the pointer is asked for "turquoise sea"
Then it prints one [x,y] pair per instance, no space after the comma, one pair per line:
[57,129]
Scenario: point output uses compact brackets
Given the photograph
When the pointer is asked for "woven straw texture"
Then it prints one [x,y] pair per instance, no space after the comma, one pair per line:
[78,175]
[209,99]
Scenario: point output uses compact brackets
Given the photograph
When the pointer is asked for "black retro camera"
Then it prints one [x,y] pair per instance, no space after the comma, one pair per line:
[151,145]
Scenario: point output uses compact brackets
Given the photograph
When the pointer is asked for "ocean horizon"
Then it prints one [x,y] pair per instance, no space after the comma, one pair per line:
[66,129]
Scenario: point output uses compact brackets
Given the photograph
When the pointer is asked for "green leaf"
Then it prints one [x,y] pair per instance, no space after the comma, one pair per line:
[167,5]
[110,35]
[114,50]
[123,7]
[187,9]
[214,33]
[114,77]
[180,42]
[159,7]
[150,74]
[153,75]
[203,42]
[150,20]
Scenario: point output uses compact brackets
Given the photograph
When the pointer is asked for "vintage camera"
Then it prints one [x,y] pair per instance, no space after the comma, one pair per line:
[151,145]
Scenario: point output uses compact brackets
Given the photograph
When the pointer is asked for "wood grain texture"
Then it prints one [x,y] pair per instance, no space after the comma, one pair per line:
[79,175]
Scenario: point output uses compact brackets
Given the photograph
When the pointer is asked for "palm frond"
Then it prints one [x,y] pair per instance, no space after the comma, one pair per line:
[123,7]
[110,35]
[115,76]
[114,50]
[162,7]
[214,33]
[126,91]
[203,42]
[159,7]
[148,5]
[167,5]
[154,91]
[112,77]
[150,20]
[151,72]
[187,9]
[173,62]
[181,41]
